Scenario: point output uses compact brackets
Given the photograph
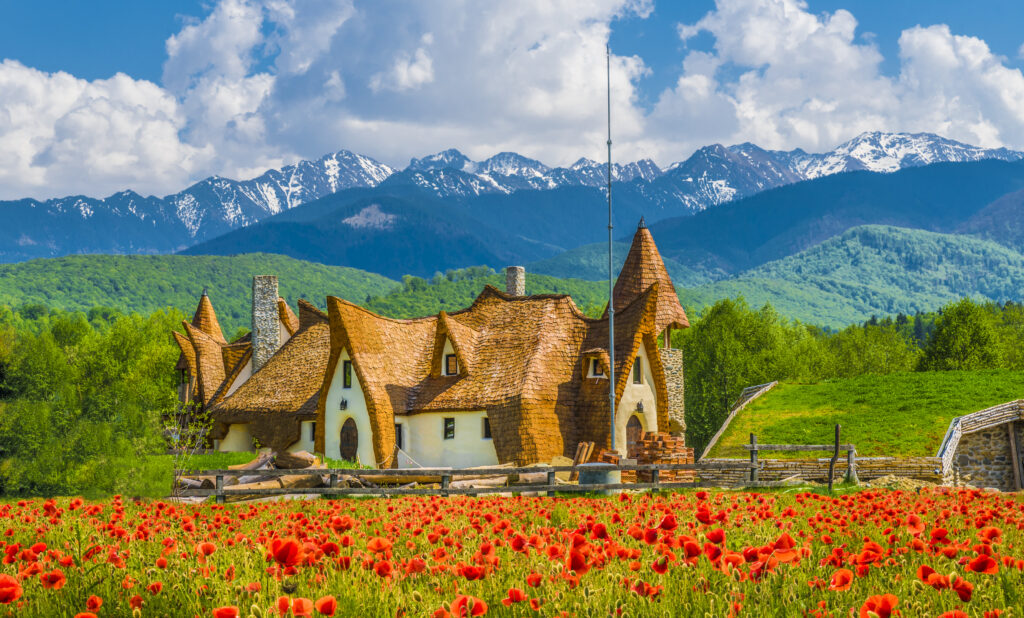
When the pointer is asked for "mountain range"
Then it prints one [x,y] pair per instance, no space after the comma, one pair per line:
[520,187]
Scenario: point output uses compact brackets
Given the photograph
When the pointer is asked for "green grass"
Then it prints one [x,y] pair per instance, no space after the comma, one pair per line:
[902,414]
[210,461]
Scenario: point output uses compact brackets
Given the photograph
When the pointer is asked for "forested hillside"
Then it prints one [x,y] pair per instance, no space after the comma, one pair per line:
[146,283]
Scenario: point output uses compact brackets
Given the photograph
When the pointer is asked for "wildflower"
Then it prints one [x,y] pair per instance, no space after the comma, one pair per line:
[841,580]
[326,605]
[229,611]
[881,605]
[10,589]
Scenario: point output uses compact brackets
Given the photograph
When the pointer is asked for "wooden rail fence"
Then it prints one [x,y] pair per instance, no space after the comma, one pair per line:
[221,492]
[835,448]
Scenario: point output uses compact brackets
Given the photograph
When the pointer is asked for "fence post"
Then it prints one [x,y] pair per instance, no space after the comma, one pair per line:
[655,477]
[753,458]
[832,462]
[219,499]
[333,483]
[551,483]
[446,479]
[851,466]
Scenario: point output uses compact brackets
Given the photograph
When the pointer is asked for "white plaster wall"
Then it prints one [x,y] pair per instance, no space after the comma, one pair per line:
[243,375]
[236,439]
[425,443]
[633,394]
[283,336]
[305,441]
[334,418]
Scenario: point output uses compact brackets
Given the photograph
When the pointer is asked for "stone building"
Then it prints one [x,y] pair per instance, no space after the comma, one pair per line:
[512,378]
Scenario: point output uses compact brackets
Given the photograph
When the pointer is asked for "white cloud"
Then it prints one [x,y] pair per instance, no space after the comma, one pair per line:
[260,83]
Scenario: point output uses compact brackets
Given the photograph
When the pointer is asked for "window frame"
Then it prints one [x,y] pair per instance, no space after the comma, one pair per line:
[486,429]
[398,436]
[638,370]
[448,428]
[448,360]
[346,374]
[312,431]
[596,370]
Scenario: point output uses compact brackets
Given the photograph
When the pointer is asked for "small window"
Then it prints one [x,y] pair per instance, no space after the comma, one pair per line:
[451,364]
[595,368]
[398,436]
[638,371]
[312,431]
[449,429]
[346,372]
[487,428]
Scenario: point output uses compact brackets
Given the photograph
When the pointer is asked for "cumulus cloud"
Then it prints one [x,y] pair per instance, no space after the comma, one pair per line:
[783,77]
[260,83]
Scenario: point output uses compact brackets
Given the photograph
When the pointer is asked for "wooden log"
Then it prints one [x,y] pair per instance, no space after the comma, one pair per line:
[189,483]
[295,461]
[1012,428]
[495,481]
[256,464]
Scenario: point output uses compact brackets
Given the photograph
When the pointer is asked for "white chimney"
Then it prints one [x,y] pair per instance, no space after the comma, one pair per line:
[266,323]
[515,281]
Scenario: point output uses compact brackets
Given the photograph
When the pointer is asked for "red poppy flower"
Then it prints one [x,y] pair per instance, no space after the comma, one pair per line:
[302,608]
[716,536]
[286,552]
[660,566]
[54,580]
[10,589]
[983,564]
[382,568]
[515,595]
[93,603]
[378,544]
[155,588]
[85,615]
[465,606]
[841,580]
[963,589]
[229,611]
[956,613]
[883,605]
[577,562]
[326,605]
[533,579]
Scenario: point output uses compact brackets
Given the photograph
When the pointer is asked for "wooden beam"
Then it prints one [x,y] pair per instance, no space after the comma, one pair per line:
[1012,429]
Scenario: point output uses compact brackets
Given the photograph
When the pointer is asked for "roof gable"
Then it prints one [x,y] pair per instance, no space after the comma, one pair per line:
[205,319]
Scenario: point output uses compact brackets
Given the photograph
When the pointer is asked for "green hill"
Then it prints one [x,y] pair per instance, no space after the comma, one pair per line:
[145,283]
[874,270]
[900,414]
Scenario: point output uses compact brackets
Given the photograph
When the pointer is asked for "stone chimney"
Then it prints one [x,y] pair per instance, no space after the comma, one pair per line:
[266,323]
[515,281]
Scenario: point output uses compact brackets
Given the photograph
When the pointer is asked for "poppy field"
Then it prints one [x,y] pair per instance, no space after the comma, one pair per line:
[869,553]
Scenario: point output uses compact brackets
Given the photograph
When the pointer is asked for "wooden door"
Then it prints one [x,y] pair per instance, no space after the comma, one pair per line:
[349,442]
[634,431]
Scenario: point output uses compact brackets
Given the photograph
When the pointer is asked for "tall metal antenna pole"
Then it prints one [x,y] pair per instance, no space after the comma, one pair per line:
[611,290]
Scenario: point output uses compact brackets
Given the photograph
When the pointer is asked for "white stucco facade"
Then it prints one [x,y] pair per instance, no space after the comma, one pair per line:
[634,394]
[238,438]
[305,441]
[423,441]
[355,409]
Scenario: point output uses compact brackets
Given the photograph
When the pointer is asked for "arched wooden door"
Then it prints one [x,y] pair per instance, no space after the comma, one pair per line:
[349,442]
[634,432]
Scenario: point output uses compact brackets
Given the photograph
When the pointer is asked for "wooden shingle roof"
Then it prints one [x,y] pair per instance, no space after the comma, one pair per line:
[205,319]
[521,359]
[642,269]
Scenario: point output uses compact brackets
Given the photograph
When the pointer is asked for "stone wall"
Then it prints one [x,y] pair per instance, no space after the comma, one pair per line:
[515,281]
[672,360]
[816,470]
[983,458]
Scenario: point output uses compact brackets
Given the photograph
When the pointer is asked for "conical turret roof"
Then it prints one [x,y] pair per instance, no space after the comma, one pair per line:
[206,320]
[642,269]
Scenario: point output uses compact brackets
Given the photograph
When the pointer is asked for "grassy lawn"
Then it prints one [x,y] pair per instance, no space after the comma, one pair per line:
[904,414]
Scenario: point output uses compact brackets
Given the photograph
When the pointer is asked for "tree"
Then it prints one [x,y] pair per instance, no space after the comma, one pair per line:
[965,338]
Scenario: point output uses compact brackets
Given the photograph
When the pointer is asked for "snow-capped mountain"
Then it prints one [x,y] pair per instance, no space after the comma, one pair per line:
[127,222]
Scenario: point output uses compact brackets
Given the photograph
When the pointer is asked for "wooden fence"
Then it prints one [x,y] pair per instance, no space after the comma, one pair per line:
[550,486]
[835,448]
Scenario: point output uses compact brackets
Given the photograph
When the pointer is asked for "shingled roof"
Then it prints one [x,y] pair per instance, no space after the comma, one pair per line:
[520,359]
[281,394]
[642,269]
[205,319]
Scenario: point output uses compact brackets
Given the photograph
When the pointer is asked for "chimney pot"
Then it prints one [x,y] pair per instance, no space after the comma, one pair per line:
[515,281]
[266,323]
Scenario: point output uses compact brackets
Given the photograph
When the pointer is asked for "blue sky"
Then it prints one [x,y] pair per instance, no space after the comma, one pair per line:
[100,96]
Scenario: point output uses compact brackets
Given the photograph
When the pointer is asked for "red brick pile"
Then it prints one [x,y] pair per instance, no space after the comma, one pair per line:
[664,448]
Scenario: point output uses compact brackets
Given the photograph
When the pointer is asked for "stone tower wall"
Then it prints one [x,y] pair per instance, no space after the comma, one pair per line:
[672,360]
[266,323]
[515,281]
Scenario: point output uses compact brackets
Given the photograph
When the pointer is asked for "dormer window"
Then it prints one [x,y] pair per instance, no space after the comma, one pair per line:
[451,365]
[596,370]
